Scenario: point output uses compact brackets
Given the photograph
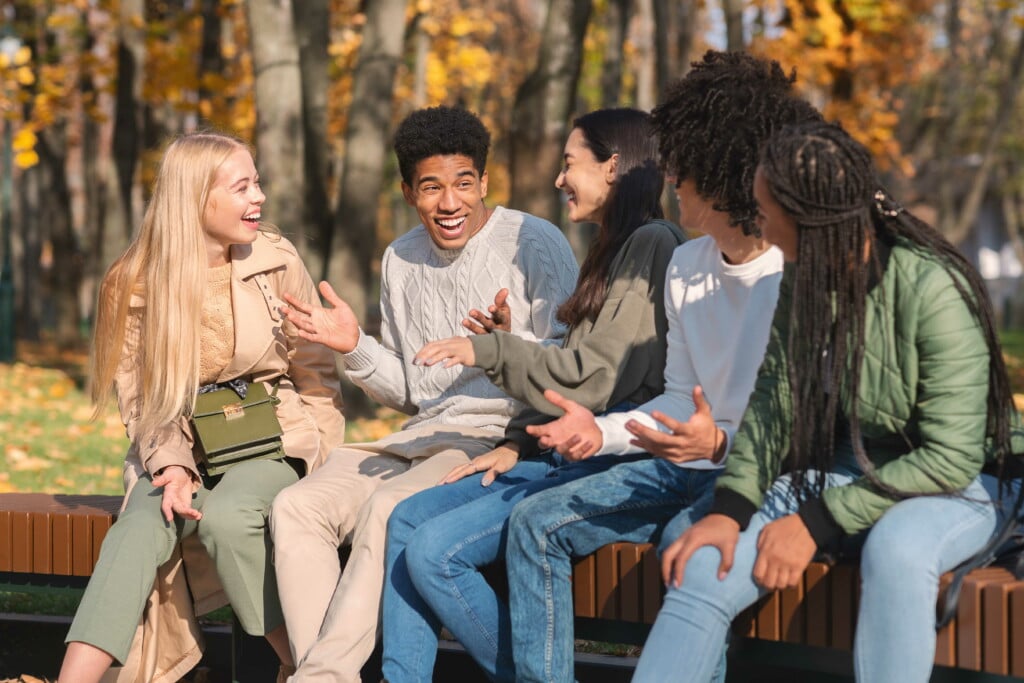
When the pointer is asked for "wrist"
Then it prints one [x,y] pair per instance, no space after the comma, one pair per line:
[719,450]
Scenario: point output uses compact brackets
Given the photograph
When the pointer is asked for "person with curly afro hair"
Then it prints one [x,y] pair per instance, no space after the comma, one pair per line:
[452,263]
[720,292]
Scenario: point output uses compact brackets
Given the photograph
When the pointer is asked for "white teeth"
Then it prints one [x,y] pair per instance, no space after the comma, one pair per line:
[254,217]
[450,222]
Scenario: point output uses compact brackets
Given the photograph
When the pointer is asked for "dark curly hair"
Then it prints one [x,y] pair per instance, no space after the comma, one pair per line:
[440,131]
[826,182]
[713,122]
[634,200]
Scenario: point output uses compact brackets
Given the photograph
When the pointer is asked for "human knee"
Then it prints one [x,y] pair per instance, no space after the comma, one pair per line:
[423,554]
[224,522]
[141,532]
[889,552]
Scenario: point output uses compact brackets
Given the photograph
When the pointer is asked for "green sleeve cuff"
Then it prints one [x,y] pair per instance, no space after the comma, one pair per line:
[485,350]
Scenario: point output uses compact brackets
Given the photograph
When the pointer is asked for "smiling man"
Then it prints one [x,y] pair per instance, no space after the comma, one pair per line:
[456,261]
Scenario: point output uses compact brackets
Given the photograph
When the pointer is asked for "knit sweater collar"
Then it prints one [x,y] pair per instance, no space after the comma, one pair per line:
[452,255]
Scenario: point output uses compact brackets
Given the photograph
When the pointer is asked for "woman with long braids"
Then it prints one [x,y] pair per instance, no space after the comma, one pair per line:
[882,396]
[613,356]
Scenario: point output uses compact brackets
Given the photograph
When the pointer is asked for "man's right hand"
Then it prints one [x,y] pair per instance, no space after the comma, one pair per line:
[177,497]
[575,435]
[718,530]
[335,328]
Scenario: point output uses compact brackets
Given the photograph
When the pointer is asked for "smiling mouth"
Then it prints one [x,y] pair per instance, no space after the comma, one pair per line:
[451,225]
[254,218]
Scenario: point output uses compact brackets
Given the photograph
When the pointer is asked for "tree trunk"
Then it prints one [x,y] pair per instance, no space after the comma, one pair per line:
[66,269]
[989,156]
[280,142]
[674,25]
[211,60]
[733,11]
[542,106]
[354,238]
[616,25]
[312,25]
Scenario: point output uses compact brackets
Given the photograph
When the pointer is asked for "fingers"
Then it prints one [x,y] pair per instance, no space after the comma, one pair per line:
[458,473]
[329,295]
[501,297]
[559,401]
[489,476]
[699,402]
[728,551]
[473,326]
[674,426]
[297,304]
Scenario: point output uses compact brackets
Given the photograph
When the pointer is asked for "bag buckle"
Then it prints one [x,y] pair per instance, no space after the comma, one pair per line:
[233,411]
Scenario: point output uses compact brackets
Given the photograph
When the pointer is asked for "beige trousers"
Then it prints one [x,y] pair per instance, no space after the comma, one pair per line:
[332,615]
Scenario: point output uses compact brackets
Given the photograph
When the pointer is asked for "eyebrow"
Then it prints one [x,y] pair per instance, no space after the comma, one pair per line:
[435,179]
[244,179]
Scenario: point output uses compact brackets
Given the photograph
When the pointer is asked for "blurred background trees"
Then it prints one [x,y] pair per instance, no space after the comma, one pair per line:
[91,91]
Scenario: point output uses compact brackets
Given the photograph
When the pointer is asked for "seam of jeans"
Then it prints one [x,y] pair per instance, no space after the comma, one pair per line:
[453,588]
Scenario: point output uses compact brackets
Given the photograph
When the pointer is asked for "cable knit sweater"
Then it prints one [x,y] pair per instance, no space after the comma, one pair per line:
[425,294]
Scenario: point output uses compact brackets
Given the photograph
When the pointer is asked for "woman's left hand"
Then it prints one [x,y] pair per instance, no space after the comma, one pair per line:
[784,549]
[452,351]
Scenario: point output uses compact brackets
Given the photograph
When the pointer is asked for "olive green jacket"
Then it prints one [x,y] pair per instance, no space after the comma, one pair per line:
[617,357]
[922,405]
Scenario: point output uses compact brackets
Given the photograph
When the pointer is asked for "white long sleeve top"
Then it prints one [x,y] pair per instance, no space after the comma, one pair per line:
[719,317]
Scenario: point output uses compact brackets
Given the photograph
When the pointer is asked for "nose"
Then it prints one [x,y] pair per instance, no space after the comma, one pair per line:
[560,180]
[449,201]
[256,195]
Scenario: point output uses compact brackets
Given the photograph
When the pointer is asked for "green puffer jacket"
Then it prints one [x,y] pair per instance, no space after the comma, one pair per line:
[922,404]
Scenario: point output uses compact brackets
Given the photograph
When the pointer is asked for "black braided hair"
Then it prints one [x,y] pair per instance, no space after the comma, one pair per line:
[634,199]
[826,182]
[714,121]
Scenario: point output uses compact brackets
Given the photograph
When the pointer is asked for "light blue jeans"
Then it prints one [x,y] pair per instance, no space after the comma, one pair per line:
[905,552]
[637,502]
[438,541]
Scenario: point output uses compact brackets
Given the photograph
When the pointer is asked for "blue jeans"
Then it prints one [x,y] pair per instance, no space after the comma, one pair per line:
[437,542]
[902,557]
[631,502]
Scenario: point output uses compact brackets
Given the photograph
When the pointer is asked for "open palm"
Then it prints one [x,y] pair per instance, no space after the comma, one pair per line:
[335,327]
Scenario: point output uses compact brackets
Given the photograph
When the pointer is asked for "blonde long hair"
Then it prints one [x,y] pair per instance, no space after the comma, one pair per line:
[166,266]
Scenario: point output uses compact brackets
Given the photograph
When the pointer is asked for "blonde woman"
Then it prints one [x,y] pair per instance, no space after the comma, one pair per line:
[194,302]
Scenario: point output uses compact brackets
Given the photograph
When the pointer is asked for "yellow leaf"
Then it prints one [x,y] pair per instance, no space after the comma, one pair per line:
[23,55]
[24,140]
[25,76]
[26,159]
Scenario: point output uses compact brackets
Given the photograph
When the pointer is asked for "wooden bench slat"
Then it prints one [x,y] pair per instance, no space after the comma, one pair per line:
[1016,618]
[945,640]
[584,590]
[996,642]
[816,604]
[629,581]
[843,581]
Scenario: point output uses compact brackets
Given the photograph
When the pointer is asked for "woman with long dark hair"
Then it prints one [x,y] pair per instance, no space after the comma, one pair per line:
[882,396]
[614,355]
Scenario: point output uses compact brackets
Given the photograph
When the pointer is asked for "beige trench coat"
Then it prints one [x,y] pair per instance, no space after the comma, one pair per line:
[168,641]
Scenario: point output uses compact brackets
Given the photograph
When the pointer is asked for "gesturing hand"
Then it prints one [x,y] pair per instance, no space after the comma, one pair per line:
[177,496]
[575,435]
[699,438]
[716,530]
[335,328]
[499,461]
[784,549]
[452,351]
[499,318]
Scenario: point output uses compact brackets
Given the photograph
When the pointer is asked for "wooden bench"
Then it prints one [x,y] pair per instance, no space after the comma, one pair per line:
[618,590]
[54,540]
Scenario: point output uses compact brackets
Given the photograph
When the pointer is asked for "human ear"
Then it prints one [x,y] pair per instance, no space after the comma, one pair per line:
[408,194]
[611,168]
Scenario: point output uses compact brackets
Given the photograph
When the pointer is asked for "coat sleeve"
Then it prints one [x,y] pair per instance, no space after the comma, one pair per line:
[312,367]
[590,371]
[168,444]
[950,409]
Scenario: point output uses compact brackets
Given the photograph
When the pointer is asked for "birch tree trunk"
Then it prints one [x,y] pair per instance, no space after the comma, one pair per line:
[542,107]
[312,26]
[280,142]
[354,237]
